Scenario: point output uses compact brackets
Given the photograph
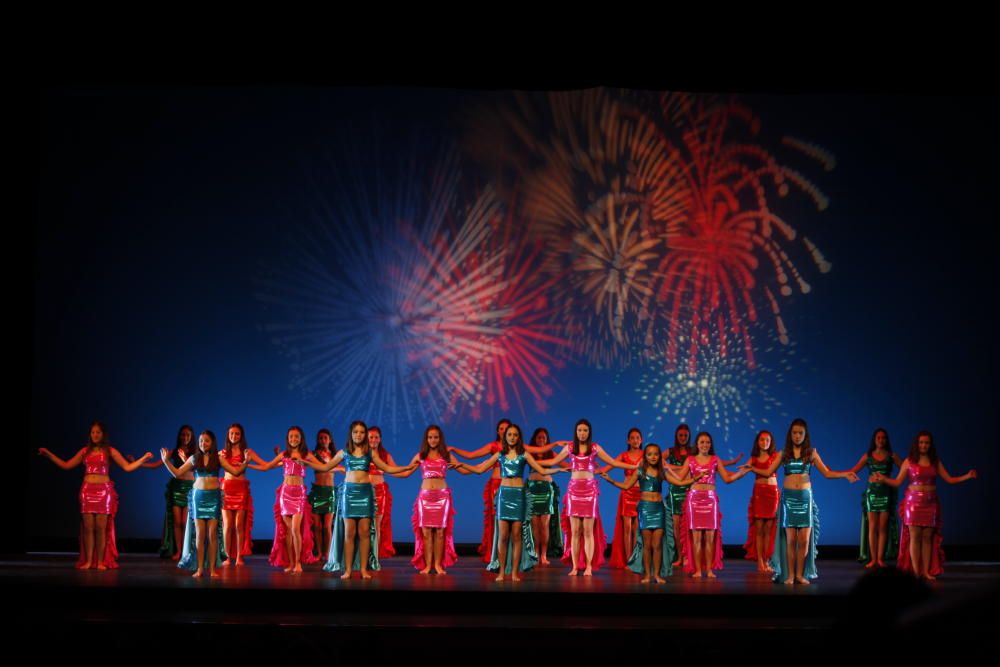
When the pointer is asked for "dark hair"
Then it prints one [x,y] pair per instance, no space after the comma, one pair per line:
[333,446]
[888,445]
[425,446]
[589,441]
[242,441]
[534,436]
[518,446]
[915,449]
[212,465]
[381,444]
[365,445]
[788,453]
[502,421]
[303,447]
[711,443]
[755,450]
[634,429]
[189,448]
[673,450]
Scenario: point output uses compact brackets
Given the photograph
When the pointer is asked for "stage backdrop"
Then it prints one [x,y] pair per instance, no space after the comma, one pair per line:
[309,256]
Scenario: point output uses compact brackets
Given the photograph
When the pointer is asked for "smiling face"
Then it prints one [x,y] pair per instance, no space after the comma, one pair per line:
[764,442]
[541,439]
[634,439]
[96,434]
[235,435]
[924,444]
[433,438]
[881,438]
[187,435]
[205,443]
[374,438]
[704,444]
[293,438]
[683,436]
[324,440]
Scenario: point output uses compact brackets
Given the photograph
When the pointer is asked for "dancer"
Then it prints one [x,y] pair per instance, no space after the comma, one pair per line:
[879,529]
[701,534]
[237,503]
[98,498]
[383,496]
[763,502]
[543,503]
[920,549]
[323,494]
[204,505]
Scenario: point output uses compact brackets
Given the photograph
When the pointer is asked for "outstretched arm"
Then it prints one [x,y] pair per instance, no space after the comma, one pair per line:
[273,463]
[539,468]
[176,472]
[479,469]
[129,466]
[474,454]
[603,455]
[629,482]
[730,477]
[943,474]
[313,462]
[385,467]
[65,465]
[831,474]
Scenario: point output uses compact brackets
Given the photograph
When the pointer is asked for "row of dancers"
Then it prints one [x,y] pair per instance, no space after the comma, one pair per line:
[209,519]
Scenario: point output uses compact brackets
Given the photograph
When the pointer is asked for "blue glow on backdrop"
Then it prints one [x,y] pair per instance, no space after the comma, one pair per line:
[308,256]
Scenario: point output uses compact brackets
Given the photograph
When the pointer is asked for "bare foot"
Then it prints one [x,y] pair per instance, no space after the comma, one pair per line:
[696,575]
[871,564]
[226,563]
[297,569]
[439,570]
[644,580]
[176,556]
[801,580]
[589,572]
[768,568]
[760,567]
[499,577]
[676,563]
[346,575]
[789,581]
[881,563]
[83,566]
[365,574]
[930,577]
[572,572]
[711,575]
[197,574]
[288,569]
[514,577]
[101,566]
[426,570]
[545,561]
[239,562]
[213,574]
[660,580]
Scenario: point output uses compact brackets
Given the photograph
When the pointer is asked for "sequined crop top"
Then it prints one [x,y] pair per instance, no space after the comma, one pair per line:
[433,468]
[96,462]
[357,463]
[648,483]
[699,469]
[295,467]
[797,467]
[584,463]
[761,466]
[510,468]
[922,475]
[884,466]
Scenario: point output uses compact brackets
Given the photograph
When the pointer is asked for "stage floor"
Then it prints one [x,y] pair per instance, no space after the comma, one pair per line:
[264,601]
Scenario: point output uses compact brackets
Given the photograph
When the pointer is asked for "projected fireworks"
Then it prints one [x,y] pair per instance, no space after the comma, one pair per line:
[616,230]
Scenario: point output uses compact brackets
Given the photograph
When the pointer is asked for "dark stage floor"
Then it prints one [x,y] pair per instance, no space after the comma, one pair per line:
[468,609]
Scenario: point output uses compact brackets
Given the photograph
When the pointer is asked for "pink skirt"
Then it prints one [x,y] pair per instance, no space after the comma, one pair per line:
[433,508]
[701,510]
[292,499]
[98,498]
[581,498]
[920,508]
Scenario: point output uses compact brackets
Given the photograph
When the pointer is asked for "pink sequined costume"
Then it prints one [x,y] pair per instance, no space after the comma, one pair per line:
[290,500]
[921,508]
[433,508]
[701,512]
[99,498]
[581,501]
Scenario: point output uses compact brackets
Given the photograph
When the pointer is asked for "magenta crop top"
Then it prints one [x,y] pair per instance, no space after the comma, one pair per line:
[433,468]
